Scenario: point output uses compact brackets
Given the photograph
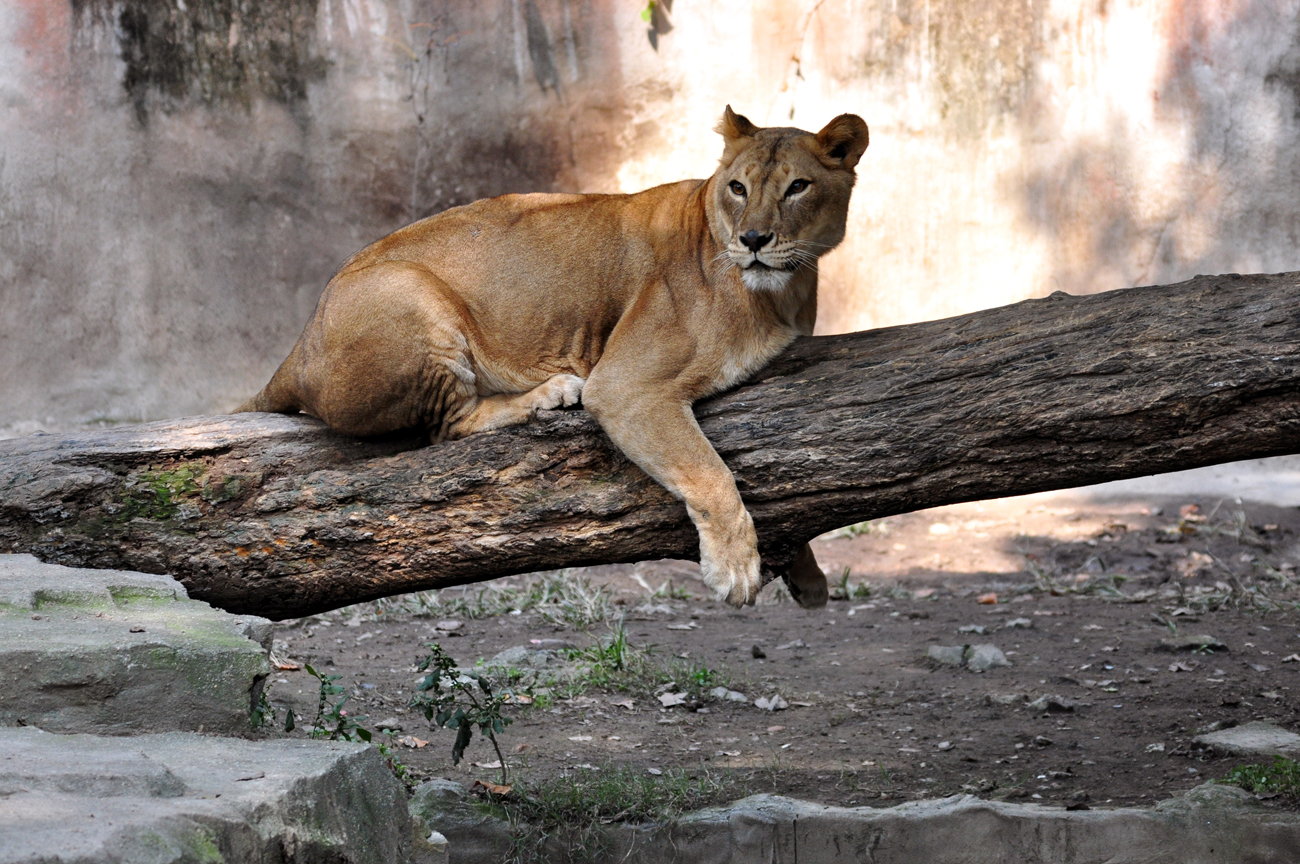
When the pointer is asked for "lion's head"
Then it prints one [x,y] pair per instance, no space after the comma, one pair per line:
[781,195]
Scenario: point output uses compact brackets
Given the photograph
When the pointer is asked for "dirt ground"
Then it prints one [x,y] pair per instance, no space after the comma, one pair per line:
[1081,597]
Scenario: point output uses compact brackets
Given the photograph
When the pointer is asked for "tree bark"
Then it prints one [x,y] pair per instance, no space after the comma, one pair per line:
[278,516]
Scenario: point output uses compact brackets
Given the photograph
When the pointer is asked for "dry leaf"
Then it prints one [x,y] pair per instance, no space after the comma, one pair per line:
[1194,564]
[668,700]
[988,599]
[284,665]
[491,788]
[412,742]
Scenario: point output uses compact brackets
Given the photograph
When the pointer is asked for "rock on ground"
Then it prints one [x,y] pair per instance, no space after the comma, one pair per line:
[115,652]
[182,798]
[1256,738]
[976,658]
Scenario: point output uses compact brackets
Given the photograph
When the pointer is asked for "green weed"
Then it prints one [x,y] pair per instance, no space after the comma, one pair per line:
[1278,779]
[616,665]
[335,723]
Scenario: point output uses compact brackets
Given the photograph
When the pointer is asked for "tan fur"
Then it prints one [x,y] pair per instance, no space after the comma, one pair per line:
[638,305]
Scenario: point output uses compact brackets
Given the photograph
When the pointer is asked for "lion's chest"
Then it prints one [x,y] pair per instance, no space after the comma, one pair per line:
[746,356]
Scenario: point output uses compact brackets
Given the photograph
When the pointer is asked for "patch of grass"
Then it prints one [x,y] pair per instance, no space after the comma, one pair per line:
[871,526]
[560,598]
[1106,585]
[614,664]
[564,599]
[1231,591]
[570,809]
[1278,779]
[668,590]
[843,589]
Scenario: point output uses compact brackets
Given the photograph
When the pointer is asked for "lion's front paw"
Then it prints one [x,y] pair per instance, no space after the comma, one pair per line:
[559,391]
[734,579]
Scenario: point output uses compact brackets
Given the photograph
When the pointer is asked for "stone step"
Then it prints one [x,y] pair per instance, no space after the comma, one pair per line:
[114,652]
[184,798]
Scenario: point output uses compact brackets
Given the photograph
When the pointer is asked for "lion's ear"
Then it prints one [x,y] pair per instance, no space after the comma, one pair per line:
[737,130]
[735,125]
[843,141]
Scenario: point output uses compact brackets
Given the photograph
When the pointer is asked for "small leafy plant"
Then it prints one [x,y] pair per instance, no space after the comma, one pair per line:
[262,714]
[456,699]
[332,720]
[336,723]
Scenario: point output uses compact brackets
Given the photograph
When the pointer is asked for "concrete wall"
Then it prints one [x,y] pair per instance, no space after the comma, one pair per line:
[178,180]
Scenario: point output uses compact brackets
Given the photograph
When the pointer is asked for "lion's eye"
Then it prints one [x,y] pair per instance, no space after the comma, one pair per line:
[737,188]
[797,186]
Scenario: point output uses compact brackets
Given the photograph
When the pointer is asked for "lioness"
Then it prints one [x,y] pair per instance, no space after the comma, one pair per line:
[635,305]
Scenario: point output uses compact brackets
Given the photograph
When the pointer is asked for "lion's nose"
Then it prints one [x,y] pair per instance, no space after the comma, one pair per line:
[753,241]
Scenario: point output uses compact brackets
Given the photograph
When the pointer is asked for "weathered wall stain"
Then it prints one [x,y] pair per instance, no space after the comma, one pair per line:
[210,52]
[539,48]
[1284,75]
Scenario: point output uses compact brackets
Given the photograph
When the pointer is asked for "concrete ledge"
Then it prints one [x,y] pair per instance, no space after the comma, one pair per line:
[1210,825]
[114,652]
[181,798]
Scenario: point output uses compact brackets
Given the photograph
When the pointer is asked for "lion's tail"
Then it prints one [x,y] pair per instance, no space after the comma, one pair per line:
[279,395]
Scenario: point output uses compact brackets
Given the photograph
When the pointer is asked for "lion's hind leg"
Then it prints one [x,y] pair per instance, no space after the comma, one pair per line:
[388,351]
[394,348]
[510,409]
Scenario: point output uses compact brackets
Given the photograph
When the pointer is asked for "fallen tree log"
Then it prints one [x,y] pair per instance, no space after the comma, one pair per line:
[278,516]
